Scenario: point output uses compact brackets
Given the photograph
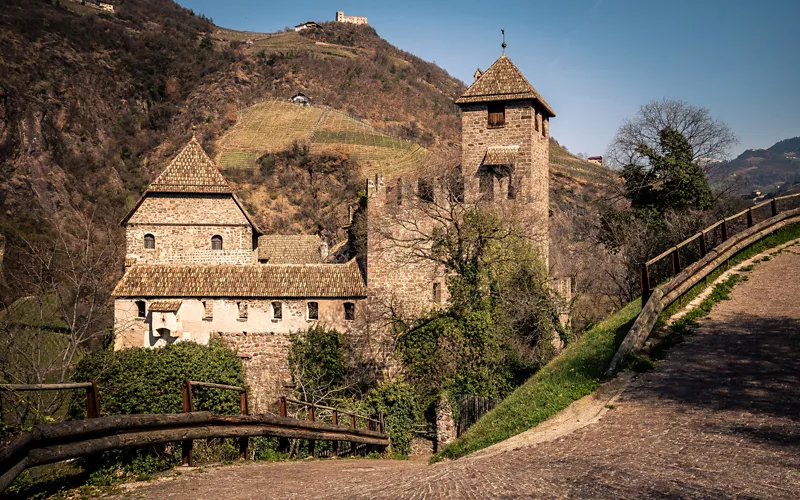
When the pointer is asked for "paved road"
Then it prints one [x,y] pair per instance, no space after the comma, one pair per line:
[720,418]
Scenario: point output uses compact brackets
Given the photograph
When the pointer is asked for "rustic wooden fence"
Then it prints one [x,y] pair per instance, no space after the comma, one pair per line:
[51,443]
[715,245]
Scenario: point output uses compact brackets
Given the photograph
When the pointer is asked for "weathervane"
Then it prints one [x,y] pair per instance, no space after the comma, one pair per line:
[504,41]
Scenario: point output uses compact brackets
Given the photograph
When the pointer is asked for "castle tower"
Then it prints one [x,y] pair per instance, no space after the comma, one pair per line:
[505,144]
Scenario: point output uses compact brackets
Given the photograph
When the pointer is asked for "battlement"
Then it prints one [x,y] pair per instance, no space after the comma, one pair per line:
[341,18]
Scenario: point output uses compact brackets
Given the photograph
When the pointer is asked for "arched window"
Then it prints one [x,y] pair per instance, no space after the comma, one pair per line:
[216,242]
[149,241]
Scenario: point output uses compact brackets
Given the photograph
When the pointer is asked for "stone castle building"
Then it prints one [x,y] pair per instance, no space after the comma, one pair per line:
[198,267]
[341,18]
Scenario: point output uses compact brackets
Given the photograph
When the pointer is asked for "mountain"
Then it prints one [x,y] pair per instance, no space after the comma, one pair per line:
[94,104]
[768,170]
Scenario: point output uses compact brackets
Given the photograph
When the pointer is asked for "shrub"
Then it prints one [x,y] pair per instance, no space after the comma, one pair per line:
[397,401]
[144,380]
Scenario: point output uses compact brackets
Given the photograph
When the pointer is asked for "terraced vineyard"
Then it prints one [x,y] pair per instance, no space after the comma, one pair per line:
[273,126]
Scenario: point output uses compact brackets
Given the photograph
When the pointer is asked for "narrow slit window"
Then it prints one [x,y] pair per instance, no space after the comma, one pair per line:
[216,242]
[349,311]
[313,310]
[149,242]
[208,309]
[437,293]
[277,310]
[141,309]
[497,114]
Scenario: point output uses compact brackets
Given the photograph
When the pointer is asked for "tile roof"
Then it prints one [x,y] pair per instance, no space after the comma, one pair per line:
[191,171]
[501,155]
[165,306]
[503,81]
[290,249]
[254,281]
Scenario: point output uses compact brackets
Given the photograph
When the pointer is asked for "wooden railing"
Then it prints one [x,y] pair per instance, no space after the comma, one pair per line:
[50,443]
[92,401]
[731,241]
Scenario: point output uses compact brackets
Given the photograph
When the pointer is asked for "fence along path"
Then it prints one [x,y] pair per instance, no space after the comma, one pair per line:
[51,443]
[714,246]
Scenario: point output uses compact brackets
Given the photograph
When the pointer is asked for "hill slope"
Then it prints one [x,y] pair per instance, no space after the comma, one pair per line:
[767,169]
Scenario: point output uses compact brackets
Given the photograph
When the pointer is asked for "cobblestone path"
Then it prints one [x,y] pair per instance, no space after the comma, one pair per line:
[719,418]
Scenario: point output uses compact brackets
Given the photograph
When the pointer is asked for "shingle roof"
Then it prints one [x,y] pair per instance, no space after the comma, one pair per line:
[290,249]
[501,155]
[291,280]
[503,81]
[191,171]
[165,305]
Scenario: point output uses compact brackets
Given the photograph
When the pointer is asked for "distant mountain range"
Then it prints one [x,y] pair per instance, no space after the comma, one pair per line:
[768,170]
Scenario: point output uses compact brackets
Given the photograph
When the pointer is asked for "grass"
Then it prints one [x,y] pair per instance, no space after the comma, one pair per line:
[577,371]
[573,374]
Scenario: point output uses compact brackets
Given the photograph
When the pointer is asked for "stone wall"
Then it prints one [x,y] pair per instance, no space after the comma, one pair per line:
[183,226]
[526,127]
[445,424]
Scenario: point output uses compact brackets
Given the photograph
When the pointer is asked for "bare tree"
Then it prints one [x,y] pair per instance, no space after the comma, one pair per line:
[56,307]
[710,138]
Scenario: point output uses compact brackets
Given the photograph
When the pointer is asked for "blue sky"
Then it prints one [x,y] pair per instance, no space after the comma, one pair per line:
[594,61]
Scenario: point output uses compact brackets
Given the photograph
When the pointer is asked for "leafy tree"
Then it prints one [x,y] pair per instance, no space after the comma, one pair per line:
[671,181]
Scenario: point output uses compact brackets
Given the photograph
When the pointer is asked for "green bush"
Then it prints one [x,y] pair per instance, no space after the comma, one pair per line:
[397,401]
[150,380]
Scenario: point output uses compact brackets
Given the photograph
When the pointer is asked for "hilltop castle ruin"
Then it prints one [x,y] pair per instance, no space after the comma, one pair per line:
[199,268]
[341,18]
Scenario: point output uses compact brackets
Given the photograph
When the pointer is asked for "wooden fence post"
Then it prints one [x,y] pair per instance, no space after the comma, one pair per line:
[311,443]
[283,443]
[92,401]
[243,441]
[186,446]
[774,206]
[335,444]
[645,284]
[676,261]
[703,248]
[352,443]
[724,228]
[750,217]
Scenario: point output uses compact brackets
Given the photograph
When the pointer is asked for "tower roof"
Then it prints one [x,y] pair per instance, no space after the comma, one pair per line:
[503,81]
[191,171]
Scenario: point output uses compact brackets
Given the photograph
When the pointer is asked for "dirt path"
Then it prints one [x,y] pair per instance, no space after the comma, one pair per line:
[719,418]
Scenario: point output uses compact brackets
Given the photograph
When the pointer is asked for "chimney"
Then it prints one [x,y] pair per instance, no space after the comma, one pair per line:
[478,73]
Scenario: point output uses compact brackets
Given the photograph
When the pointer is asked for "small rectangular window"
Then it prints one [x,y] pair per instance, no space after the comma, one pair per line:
[349,311]
[437,293]
[277,310]
[208,309]
[141,308]
[313,310]
[425,190]
[242,310]
[497,114]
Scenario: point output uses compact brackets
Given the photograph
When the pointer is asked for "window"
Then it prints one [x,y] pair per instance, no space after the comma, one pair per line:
[277,310]
[497,115]
[208,309]
[216,242]
[437,292]
[141,309]
[487,185]
[349,311]
[149,241]
[313,310]
[425,190]
[242,310]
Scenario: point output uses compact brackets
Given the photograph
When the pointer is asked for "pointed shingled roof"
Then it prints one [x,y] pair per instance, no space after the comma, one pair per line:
[191,171]
[503,81]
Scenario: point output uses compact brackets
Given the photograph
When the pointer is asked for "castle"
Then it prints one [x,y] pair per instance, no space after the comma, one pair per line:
[199,268]
[341,18]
